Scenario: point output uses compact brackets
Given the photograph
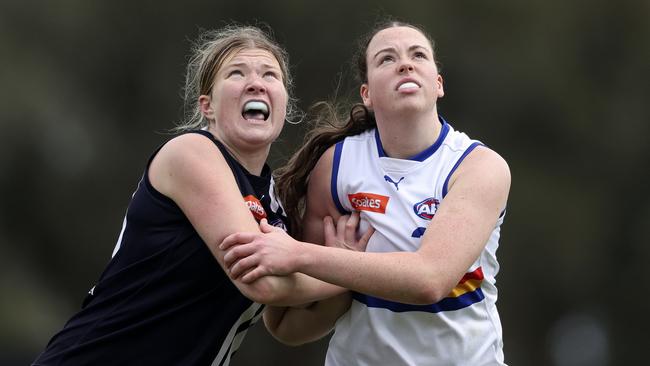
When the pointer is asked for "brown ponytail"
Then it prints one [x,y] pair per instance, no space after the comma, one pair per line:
[328,128]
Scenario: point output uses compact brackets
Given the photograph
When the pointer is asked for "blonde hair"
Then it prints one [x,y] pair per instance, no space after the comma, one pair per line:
[210,51]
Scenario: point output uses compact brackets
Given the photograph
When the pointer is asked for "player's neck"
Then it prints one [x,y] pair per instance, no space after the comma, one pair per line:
[404,137]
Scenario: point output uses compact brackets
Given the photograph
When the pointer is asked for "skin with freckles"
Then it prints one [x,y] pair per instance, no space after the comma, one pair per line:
[343,236]
[400,92]
[251,75]
[402,74]
[397,56]
[167,274]
[191,171]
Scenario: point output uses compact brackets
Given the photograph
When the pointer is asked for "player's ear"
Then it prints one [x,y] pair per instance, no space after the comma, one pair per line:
[206,107]
[365,95]
[440,90]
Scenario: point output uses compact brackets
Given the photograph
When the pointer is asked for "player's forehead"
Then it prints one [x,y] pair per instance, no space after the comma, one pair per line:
[252,56]
[397,38]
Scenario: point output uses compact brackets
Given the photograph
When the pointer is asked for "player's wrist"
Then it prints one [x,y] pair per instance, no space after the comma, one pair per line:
[303,258]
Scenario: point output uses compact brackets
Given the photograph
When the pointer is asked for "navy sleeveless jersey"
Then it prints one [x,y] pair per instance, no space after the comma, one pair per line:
[163,298]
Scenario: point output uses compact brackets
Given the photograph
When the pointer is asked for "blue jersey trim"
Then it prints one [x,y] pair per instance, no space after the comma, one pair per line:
[380,147]
[446,304]
[462,157]
[423,155]
[335,173]
[433,148]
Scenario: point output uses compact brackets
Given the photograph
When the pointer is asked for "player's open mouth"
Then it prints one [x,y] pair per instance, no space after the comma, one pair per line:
[407,84]
[255,109]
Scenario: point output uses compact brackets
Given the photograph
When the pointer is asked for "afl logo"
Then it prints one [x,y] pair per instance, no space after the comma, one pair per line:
[427,208]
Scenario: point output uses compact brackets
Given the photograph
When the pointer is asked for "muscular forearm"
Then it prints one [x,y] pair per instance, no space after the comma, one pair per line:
[291,290]
[401,276]
[298,325]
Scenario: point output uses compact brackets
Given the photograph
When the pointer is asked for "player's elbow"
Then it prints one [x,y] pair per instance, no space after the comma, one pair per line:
[430,293]
[260,291]
[426,296]
[266,290]
[261,296]
[267,296]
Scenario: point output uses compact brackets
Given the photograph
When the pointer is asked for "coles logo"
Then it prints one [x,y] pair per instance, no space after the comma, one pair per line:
[426,208]
[255,206]
[363,201]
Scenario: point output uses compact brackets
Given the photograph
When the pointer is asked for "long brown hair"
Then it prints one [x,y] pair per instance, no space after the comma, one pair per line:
[329,126]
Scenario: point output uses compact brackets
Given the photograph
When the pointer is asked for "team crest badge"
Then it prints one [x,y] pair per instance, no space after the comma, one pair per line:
[427,208]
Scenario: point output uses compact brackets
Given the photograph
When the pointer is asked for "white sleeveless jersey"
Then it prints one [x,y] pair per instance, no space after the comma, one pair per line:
[399,197]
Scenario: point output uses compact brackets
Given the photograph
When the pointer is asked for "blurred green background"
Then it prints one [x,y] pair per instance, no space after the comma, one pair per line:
[559,89]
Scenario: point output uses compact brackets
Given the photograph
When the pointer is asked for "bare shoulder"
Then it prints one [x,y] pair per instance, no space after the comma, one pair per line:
[484,173]
[323,167]
[191,170]
[187,146]
[319,198]
[487,163]
[188,156]
[321,176]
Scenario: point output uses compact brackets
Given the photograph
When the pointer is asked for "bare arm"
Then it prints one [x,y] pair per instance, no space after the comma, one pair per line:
[455,237]
[298,325]
[191,171]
